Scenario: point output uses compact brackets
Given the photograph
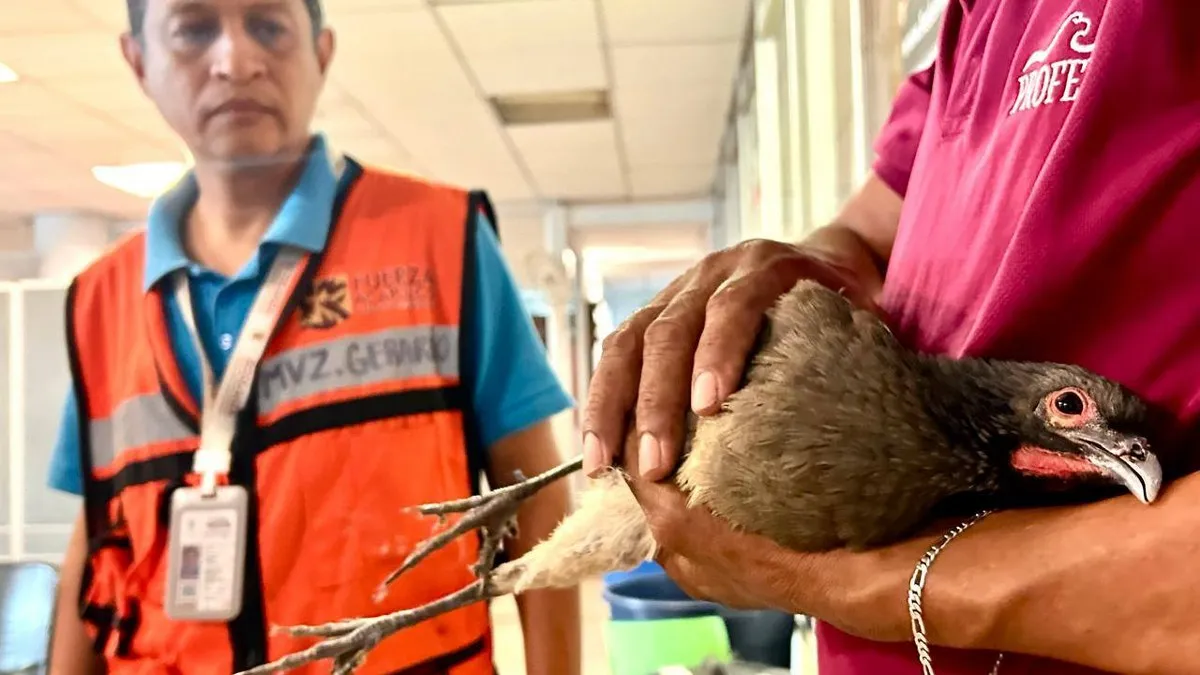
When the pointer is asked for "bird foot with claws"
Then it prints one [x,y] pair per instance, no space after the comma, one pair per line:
[349,641]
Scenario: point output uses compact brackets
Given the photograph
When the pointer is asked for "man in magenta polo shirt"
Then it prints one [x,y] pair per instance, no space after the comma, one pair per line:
[1036,196]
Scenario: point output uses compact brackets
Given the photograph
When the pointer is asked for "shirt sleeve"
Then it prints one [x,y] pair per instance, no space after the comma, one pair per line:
[896,144]
[504,361]
[66,472]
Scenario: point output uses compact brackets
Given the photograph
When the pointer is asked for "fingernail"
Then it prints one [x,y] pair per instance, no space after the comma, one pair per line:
[649,454]
[593,453]
[704,392]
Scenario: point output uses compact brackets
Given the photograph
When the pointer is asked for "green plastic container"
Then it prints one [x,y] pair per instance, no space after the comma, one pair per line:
[643,647]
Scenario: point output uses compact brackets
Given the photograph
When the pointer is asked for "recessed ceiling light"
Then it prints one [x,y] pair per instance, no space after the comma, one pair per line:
[146,180]
[548,108]
[7,74]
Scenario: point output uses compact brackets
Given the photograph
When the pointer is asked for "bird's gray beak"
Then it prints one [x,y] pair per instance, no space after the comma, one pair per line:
[1126,458]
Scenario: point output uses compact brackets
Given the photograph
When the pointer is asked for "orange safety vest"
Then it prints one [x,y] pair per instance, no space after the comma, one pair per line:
[357,412]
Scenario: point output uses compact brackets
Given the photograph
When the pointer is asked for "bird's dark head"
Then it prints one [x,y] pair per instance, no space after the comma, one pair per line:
[1074,427]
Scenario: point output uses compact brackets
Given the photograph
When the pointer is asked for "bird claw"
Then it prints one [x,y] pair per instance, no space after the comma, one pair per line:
[347,642]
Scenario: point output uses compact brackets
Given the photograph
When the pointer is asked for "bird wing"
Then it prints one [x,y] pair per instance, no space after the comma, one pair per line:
[827,443]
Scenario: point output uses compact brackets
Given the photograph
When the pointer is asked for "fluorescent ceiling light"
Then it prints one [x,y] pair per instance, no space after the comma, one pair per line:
[7,74]
[146,180]
[549,108]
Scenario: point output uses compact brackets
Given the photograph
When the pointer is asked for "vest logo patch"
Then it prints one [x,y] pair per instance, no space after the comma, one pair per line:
[327,304]
[1046,82]
[404,287]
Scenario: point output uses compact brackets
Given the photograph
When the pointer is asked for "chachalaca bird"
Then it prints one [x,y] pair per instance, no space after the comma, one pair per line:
[838,437]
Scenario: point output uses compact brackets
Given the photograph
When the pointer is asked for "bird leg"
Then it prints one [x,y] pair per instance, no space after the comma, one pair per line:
[347,642]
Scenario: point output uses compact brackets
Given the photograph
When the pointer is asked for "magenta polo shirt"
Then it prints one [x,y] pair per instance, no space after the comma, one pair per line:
[1050,164]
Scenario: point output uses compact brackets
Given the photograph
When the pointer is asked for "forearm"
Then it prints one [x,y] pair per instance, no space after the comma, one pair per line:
[860,238]
[840,245]
[1110,585]
[71,650]
[550,618]
[551,627]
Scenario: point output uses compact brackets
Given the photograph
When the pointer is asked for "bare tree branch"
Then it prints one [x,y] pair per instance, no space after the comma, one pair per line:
[348,642]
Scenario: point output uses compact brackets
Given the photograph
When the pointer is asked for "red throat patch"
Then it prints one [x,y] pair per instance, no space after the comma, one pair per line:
[1034,461]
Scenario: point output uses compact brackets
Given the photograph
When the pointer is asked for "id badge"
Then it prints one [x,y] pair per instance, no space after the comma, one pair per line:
[206,552]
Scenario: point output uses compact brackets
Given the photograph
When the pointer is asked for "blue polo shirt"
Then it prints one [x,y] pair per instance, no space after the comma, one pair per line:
[504,361]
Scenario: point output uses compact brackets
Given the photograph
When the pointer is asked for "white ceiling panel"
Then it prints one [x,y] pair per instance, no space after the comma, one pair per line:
[520,24]
[377,149]
[539,69]
[110,94]
[670,120]
[403,32]
[122,149]
[109,16]
[555,148]
[26,99]
[335,9]
[640,67]
[663,140]
[598,178]
[460,145]
[667,181]
[574,161]
[408,90]
[671,21]
[57,55]
[149,124]
[45,16]
[695,107]
[24,160]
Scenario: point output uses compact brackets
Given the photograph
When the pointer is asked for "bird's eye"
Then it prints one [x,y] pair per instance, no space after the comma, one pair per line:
[1069,403]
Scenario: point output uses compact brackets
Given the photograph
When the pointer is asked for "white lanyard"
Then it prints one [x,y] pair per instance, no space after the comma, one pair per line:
[219,406]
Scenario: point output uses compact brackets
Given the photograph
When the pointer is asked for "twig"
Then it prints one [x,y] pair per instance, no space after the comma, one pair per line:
[349,641]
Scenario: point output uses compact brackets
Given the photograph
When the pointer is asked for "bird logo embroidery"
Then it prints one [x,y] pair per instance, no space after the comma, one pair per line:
[327,304]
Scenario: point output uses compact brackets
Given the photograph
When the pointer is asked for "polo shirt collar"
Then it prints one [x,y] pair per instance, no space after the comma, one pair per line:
[303,220]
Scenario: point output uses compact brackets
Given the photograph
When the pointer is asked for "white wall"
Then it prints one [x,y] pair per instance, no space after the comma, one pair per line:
[35,521]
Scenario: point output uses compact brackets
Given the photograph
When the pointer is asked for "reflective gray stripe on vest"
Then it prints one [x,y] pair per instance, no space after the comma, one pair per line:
[371,358]
[141,420]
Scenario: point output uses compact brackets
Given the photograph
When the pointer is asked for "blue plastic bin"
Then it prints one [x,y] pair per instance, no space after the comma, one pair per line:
[758,636]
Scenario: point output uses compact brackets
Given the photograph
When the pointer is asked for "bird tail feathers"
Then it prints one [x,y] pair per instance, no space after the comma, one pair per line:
[607,533]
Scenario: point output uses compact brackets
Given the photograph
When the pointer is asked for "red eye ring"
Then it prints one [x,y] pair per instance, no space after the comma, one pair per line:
[1070,405]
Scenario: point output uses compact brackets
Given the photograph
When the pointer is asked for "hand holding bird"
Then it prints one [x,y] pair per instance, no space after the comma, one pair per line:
[838,440]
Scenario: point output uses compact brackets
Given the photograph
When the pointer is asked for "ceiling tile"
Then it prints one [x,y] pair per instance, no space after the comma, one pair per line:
[344,121]
[45,56]
[596,178]
[572,161]
[671,147]
[693,138]
[149,125]
[684,105]
[27,99]
[111,94]
[389,33]
[523,24]
[676,64]
[336,9]
[44,16]
[399,97]
[671,126]
[461,145]
[672,21]
[671,181]
[109,152]
[110,16]
[377,150]
[557,149]
[539,69]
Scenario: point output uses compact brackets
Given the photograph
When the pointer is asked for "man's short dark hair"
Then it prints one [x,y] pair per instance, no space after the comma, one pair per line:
[137,15]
